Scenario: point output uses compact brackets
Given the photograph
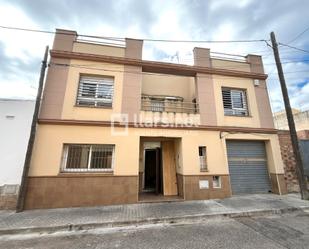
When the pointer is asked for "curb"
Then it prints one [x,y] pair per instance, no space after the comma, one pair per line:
[147,221]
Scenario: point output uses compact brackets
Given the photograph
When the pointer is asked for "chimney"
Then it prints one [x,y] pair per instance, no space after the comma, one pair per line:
[64,40]
[256,63]
[134,48]
[201,57]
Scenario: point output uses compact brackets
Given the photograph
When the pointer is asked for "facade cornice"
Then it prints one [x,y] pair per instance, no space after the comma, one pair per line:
[157,126]
[157,67]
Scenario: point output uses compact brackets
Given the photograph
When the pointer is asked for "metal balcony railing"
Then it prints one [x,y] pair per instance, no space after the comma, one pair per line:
[168,104]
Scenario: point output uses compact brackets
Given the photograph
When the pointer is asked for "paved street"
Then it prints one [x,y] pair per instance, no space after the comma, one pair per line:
[147,213]
[284,231]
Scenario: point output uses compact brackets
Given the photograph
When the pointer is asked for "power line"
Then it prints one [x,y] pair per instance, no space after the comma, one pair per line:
[59,32]
[300,71]
[121,39]
[158,40]
[299,49]
[145,39]
[299,35]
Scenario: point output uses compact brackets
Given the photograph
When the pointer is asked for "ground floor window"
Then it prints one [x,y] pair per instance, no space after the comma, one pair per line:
[87,157]
[203,158]
[216,181]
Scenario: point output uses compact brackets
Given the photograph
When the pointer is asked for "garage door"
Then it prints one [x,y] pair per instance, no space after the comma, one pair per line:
[248,167]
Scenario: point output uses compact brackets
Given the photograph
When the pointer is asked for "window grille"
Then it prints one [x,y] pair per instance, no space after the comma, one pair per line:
[234,102]
[95,91]
[85,157]
[203,158]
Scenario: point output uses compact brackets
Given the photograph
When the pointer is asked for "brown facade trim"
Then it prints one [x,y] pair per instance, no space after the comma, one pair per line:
[65,175]
[204,174]
[192,190]
[54,90]
[132,125]
[278,184]
[204,87]
[157,67]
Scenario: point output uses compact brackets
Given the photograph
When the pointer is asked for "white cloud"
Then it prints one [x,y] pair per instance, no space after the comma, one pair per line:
[17,89]
[184,19]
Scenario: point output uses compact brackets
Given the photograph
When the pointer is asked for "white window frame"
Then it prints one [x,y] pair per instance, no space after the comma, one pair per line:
[97,101]
[203,159]
[235,111]
[88,169]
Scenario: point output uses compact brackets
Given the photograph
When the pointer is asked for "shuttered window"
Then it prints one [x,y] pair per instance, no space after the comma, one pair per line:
[234,102]
[86,157]
[95,91]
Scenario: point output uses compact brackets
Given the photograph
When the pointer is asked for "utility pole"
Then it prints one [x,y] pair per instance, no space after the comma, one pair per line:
[299,165]
[24,179]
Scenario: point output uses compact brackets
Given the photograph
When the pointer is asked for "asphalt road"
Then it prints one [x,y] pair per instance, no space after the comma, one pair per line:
[285,231]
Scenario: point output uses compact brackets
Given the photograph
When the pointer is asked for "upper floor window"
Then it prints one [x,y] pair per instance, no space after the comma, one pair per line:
[95,91]
[234,102]
[88,157]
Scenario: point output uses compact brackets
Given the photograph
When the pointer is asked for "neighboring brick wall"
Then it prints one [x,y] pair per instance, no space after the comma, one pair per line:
[304,134]
[287,155]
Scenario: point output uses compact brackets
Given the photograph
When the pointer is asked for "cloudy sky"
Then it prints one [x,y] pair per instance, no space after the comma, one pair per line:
[21,52]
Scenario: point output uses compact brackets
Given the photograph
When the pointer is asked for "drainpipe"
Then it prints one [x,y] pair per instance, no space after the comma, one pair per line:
[24,178]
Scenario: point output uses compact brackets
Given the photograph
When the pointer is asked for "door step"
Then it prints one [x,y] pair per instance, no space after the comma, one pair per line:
[151,198]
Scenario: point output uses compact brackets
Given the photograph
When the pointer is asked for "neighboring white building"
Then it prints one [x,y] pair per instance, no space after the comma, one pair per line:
[15,123]
[301,119]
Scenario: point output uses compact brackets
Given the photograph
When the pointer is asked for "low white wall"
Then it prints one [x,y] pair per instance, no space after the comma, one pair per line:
[15,122]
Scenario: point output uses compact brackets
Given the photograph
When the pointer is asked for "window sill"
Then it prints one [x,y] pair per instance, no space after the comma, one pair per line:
[204,170]
[239,116]
[86,173]
[98,107]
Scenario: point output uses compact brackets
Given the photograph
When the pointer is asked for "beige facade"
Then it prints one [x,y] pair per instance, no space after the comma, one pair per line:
[50,140]
[159,99]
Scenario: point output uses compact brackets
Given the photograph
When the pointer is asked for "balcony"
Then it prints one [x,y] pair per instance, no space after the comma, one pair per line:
[169,99]
[159,103]
[169,110]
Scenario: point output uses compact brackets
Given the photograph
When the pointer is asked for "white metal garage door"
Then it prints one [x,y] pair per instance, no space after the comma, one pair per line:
[248,167]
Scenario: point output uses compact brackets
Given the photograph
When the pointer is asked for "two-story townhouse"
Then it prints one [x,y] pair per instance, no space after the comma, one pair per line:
[114,128]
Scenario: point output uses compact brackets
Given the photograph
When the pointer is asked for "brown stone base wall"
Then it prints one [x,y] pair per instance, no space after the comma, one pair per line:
[8,196]
[278,180]
[140,182]
[78,191]
[289,162]
[192,190]
[180,185]
[8,202]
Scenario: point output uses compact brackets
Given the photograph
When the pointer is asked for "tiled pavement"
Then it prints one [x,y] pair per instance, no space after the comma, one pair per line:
[133,213]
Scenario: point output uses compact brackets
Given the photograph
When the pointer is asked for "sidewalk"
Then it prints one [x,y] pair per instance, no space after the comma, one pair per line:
[52,220]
